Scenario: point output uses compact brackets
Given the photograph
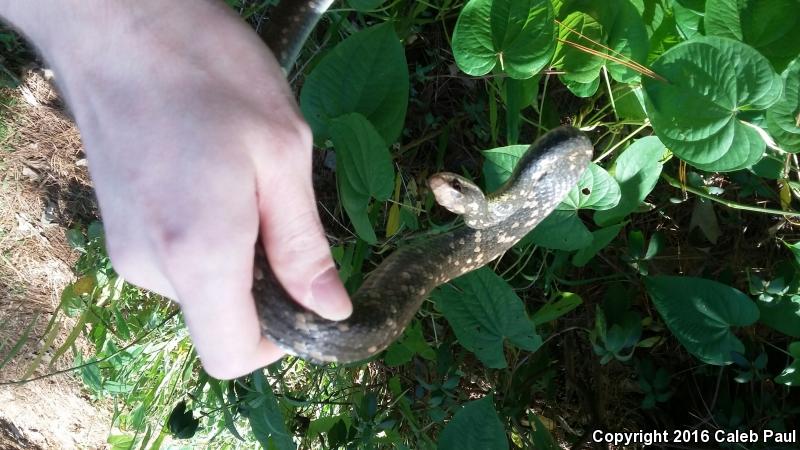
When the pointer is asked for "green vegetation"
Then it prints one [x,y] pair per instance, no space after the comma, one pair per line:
[13,55]
[664,293]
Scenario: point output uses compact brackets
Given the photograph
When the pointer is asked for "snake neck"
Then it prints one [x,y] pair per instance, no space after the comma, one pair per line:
[391,295]
[288,27]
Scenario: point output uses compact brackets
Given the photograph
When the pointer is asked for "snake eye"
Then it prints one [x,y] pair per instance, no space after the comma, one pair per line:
[455,184]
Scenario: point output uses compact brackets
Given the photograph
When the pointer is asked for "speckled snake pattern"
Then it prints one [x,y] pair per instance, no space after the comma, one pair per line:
[393,292]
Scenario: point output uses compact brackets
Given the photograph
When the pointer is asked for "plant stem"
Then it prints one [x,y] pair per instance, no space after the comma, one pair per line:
[625,139]
[734,205]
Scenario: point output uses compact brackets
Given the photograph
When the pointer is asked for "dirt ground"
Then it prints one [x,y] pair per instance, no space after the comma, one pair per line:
[44,190]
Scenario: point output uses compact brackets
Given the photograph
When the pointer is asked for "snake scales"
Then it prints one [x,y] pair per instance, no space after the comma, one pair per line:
[393,292]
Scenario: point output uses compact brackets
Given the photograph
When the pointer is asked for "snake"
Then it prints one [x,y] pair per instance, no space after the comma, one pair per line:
[393,292]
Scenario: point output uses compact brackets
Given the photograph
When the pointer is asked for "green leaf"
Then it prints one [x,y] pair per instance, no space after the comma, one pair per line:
[90,373]
[791,375]
[517,36]
[215,388]
[542,439]
[364,169]
[324,424]
[19,342]
[623,334]
[636,170]
[770,167]
[500,163]
[337,434]
[561,230]
[365,5]
[782,117]
[581,69]
[356,203]
[75,239]
[710,80]
[600,239]
[689,16]
[476,426]
[767,26]
[795,249]
[611,24]
[595,190]
[629,102]
[627,36]
[366,74]
[95,231]
[781,314]
[484,311]
[582,89]
[71,338]
[181,422]
[267,421]
[704,218]
[700,313]
[362,155]
[555,308]
[397,354]
[412,343]
[121,441]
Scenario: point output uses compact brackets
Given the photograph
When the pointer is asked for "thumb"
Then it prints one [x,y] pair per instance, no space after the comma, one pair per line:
[296,246]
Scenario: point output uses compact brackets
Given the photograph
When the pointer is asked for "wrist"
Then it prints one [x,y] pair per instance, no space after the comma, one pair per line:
[67,27]
[80,37]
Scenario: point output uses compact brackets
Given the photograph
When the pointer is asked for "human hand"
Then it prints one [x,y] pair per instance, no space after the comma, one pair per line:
[193,139]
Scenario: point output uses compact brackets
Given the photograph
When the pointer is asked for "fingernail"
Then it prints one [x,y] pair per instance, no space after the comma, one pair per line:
[328,297]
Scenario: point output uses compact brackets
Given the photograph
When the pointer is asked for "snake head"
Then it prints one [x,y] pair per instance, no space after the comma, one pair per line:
[458,194]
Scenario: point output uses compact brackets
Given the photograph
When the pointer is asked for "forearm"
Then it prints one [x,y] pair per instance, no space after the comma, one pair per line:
[57,26]
[112,46]
[79,38]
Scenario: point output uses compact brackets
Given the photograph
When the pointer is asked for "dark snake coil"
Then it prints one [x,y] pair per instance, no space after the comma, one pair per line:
[391,295]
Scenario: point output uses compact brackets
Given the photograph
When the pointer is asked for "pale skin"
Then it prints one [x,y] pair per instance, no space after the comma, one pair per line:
[195,144]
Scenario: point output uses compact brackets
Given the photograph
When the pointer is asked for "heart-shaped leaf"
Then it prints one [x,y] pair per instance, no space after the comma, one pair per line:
[362,155]
[484,311]
[784,116]
[517,36]
[595,190]
[768,27]
[581,69]
[500,163]
[364,169]
[367,74]
[695,113]
[474,427]
[700,313]
[782,314]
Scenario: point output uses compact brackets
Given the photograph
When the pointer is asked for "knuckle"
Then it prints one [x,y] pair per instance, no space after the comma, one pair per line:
[304,133]
[301,243]
[293,139]
[175,245]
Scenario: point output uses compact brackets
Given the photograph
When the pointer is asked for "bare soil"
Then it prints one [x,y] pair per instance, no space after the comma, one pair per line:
[44,191]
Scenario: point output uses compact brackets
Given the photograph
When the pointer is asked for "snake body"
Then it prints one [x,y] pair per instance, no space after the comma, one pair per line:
[391,295]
